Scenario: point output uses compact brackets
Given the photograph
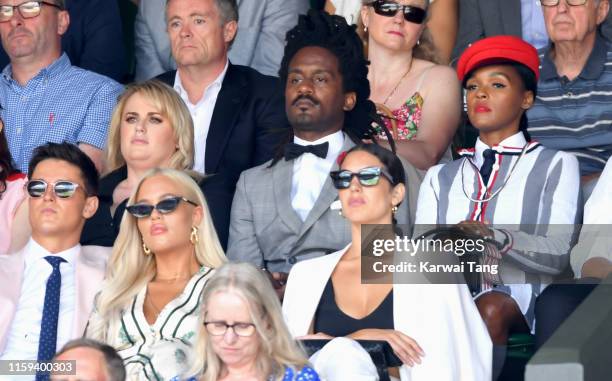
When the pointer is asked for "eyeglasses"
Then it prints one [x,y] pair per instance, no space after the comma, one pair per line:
[218,328]
[62,188]
[554,3]
[367,177]
[412,14]
[27,10]
[165,206]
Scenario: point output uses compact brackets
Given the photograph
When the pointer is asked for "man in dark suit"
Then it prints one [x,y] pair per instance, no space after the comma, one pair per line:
[94,40]
[237,111]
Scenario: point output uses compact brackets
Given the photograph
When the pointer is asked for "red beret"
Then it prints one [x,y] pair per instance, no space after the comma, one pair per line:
[499,48]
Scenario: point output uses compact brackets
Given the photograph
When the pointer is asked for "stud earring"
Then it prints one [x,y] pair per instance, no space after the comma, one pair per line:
[394,210]
[365,28]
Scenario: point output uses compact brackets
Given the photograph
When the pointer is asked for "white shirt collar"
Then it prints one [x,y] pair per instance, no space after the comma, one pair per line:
[335,140]
[34,252]
[516,141]
[178,85]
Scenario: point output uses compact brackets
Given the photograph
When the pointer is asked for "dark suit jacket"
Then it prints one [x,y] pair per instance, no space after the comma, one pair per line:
[485,18]
[246,126]
[94,39]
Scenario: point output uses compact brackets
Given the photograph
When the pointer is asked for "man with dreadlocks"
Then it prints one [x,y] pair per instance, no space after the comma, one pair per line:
[283,210]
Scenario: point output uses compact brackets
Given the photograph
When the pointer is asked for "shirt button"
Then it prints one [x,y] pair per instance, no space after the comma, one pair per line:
[569,94]
[19,130]
[23,98]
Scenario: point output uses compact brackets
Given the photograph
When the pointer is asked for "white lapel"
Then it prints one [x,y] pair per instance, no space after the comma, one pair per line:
[305,286]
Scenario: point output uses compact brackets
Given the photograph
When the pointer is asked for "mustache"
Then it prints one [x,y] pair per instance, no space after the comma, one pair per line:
[305,97]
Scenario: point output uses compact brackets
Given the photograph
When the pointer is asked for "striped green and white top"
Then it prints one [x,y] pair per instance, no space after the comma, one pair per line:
[161,351]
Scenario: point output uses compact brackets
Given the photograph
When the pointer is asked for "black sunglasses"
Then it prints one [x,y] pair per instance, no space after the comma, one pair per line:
[61,188]
[412,14]
[165,206]
[368,177]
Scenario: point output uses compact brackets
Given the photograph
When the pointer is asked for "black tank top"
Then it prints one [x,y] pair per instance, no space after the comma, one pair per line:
[330,319]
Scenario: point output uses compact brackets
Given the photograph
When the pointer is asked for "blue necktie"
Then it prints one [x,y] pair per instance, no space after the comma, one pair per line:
[487,166]
[48,327]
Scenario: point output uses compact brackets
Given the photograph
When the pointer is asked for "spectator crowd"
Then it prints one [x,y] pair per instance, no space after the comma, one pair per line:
[186,185]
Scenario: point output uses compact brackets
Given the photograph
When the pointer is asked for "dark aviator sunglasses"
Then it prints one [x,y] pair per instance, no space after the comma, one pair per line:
[388,8]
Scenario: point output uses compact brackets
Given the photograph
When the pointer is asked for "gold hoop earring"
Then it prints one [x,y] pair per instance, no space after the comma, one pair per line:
[193,238]
[146,250]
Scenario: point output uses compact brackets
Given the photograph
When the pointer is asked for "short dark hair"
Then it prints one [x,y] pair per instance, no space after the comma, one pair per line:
[71,154]
[114,362]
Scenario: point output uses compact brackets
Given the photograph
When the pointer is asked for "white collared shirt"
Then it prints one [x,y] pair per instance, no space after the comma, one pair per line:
[201,113]
[310,172]
[515,141]
[23,336]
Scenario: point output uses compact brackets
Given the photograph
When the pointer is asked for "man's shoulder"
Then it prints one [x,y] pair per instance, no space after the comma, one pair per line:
[251,77]
[167,77]
[258,174]
[95,256]
[86,78]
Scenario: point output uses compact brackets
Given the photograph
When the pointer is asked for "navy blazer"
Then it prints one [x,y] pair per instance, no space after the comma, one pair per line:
[94,39]
[247,124]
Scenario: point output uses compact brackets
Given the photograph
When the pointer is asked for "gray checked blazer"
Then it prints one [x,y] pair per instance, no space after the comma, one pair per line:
[266,231]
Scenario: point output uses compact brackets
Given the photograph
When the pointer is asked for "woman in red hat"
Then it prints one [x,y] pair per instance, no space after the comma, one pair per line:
[506,179]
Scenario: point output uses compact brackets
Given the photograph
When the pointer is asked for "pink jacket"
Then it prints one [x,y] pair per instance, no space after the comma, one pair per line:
[10,201]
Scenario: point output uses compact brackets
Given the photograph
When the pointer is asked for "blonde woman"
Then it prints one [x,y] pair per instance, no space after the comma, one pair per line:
[409,86]
[245,337]
[167,249]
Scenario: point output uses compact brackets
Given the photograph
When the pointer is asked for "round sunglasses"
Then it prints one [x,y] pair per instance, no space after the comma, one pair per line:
[165,206]
[61,188]
[368,177]
[411,13]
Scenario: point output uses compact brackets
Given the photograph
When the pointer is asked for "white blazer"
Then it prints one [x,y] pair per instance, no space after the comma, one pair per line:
[443,319]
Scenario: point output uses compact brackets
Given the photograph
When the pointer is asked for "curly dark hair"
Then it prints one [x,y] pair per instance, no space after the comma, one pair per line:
[331,32]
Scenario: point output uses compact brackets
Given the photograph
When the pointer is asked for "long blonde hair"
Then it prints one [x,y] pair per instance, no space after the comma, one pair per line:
[130,269]
[277,348]
[170,105]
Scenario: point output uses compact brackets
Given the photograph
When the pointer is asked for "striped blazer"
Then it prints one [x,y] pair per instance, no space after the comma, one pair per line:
[536,207]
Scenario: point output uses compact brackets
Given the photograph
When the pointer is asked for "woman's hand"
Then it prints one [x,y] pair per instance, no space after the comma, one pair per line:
[476,228]
[405,347]
[316,336]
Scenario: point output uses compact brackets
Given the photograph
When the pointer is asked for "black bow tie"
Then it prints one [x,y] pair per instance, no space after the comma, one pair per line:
[293,150]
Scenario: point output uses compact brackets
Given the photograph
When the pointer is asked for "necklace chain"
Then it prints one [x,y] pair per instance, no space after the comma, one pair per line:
[156,311]
[392,93]
[492,196]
